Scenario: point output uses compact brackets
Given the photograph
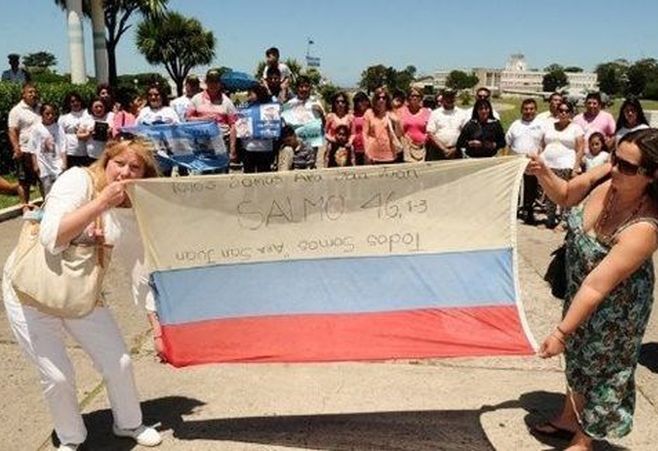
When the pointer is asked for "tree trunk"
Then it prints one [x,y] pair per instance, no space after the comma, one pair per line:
[112,62]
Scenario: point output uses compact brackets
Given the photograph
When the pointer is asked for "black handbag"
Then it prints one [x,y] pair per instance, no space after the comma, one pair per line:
[556,273]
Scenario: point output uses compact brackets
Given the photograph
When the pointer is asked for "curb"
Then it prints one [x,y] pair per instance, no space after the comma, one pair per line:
[10,213]
[15,210]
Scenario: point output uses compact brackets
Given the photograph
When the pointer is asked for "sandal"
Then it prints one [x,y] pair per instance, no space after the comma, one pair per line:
[548,429]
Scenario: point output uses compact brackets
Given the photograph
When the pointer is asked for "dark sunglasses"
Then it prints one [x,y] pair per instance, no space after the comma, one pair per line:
[381,97]
[626,167]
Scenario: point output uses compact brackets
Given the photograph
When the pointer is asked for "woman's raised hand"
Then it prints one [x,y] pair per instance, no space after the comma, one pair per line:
[536,166]
[113,195]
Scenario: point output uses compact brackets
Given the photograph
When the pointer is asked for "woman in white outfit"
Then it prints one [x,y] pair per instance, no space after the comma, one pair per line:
[70,217]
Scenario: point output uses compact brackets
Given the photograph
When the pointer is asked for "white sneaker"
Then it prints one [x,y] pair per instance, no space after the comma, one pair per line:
[143,435]
[67,447]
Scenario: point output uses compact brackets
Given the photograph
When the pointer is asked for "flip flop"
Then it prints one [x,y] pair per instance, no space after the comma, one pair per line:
[548,429]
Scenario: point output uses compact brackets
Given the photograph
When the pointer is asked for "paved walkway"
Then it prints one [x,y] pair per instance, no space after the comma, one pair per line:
[448,404]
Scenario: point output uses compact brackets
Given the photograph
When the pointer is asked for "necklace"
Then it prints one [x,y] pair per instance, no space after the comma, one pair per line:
[605,215]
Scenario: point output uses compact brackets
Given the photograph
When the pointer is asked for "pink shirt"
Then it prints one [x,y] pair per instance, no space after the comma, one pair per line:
[377,138]
[221,108]
[334,121]
[602,123]
[415,125]
[357,134]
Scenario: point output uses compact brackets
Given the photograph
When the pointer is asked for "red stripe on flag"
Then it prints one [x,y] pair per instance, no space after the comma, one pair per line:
[450,332]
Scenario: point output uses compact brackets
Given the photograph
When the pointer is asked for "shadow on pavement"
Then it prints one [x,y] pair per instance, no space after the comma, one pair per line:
[649,356]
[542,406]
[457,430]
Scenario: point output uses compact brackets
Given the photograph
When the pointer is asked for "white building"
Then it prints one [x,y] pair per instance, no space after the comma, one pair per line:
[516,78]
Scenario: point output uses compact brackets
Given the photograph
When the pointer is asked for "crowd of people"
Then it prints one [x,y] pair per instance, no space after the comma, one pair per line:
[598,173]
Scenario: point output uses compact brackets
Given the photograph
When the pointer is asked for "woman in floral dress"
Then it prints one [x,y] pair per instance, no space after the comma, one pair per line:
[612,234]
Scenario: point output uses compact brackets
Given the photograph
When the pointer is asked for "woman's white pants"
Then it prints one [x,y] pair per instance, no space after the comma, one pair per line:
[41,336]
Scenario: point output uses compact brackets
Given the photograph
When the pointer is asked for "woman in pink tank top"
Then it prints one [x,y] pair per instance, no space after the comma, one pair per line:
[382,131]
[361,104]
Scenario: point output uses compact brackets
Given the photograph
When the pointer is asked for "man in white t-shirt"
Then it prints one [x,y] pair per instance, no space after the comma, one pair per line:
[524,137]
[182,103]
[550,115]
[443,128]
[22,118]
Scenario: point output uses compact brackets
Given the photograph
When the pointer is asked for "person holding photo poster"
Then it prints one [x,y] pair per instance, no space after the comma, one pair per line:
[258,149]
[304,113]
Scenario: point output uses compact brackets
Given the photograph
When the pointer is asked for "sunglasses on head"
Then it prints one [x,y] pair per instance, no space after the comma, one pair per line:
[626,167]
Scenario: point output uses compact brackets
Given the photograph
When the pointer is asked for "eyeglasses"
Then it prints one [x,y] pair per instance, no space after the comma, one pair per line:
[381,97]
[414,96]
[340,101]
[563,110]
[483,97]
[625,167]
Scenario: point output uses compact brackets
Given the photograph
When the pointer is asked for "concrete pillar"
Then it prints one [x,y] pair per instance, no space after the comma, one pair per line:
[100,50]
[76,41]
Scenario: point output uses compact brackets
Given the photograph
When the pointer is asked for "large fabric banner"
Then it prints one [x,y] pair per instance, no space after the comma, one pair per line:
[400,261]
[198,146]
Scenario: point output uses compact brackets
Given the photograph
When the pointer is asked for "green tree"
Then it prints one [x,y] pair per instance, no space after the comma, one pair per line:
[327,91]
[639,74]
[380,75]
[553,67]
[554,80]
[117,17]
[573,69]
[39,61]
[177,42]
[459,80]
[612,76]
[373,77]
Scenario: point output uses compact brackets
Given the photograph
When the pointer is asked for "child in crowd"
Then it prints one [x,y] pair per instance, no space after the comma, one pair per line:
[294,154]
[48,147]
[598,151]
[339,152]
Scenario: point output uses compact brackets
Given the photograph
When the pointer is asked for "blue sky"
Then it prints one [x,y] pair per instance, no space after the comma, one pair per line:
[350,35]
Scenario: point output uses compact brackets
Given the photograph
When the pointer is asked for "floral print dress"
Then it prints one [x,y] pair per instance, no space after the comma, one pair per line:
[602,354]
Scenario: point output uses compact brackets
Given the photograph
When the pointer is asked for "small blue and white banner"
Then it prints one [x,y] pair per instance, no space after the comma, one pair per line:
[259,121]
[304,119]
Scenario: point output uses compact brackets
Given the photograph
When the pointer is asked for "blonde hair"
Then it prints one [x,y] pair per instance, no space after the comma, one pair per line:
[142,148]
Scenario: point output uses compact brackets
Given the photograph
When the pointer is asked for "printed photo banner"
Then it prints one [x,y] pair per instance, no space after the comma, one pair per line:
[259,121]
[304,119]
[400,261]
[197,146]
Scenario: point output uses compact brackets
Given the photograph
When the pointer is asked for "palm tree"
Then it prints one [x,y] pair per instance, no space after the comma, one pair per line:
[117,16]
[177,42]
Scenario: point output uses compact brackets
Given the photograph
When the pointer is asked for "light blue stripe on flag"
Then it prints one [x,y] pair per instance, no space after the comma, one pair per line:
[345,285]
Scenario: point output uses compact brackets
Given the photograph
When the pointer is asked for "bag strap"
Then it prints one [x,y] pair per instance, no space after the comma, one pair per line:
[394,138]
[98,222]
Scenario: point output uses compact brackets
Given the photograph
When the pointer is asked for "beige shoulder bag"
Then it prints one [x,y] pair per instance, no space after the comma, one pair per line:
[67,284]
